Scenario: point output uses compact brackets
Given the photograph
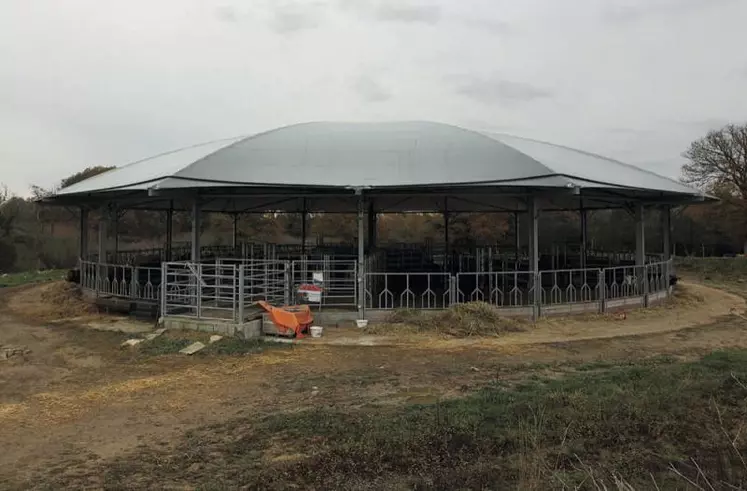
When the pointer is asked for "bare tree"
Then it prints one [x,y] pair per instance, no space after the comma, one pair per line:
[718,164]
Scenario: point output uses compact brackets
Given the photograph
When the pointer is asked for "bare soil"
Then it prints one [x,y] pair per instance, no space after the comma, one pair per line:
[78,399]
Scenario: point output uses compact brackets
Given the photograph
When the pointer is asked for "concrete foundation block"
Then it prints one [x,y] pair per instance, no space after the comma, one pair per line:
[251,329]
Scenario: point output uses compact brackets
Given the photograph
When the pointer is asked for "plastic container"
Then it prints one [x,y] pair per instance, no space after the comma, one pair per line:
[361,323]
[316,331]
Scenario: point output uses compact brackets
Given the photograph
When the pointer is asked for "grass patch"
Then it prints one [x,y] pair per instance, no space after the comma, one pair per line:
[235,346]
[163,345]
[171,342]
[729,274]
[587,430]
[29,277]
[461,320]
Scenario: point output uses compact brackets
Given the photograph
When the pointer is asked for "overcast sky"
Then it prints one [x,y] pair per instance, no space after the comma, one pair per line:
[95,82]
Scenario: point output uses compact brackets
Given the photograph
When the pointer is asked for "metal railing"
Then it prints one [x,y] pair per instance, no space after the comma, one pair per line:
[565,286]
[205,291]
[502,289]
[624,282]
[141,283]
[408,290]
[338,280]
[226,287]
[264,280]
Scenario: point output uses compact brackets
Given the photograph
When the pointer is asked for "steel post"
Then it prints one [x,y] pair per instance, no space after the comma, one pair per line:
[169,231]
[361,254]
[195,250]
[83,238]
[533,212]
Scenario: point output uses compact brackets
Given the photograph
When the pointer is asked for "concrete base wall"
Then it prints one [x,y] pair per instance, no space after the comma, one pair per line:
[343,318]
[570,308]
[623,303]
[657,298]
[246,330]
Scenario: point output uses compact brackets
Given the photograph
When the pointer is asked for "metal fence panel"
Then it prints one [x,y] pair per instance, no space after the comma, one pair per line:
[407,290]
[502,289]
[567,286]
[205,291]
[339,280]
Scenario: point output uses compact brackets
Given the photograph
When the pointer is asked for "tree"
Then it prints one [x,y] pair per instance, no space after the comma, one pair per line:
[718,164]
[83,175]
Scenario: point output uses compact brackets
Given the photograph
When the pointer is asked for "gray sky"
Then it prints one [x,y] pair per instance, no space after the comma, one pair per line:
[92,82]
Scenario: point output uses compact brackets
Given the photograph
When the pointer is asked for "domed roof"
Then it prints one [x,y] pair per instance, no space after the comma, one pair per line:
[378,157]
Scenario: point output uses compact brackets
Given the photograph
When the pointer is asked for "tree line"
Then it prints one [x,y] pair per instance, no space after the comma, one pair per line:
[33,236]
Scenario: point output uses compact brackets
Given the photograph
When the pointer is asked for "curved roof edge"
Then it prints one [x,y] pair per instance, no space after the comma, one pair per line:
[398,155]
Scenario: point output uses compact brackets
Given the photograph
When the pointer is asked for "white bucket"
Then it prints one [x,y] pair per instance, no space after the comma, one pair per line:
[316,331]
[361,323]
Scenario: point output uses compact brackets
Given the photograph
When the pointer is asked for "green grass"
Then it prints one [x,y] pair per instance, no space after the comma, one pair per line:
[231,346]
[729,274]
[172,342]
[18,279]
[735,267]
[633,422]
[163,345]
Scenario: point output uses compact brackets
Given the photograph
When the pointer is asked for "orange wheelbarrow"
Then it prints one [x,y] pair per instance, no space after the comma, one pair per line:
[291,320]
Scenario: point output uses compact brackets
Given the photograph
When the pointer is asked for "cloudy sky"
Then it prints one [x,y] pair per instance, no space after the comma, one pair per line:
[94,82]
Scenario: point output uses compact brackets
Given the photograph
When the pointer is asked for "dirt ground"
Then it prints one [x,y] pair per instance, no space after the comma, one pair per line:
[75,398]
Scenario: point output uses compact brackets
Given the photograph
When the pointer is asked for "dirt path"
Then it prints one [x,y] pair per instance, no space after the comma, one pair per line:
[78,398]
[708,305]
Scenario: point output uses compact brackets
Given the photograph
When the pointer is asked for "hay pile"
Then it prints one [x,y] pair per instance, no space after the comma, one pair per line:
[685,296]
[53,301]
[459,321]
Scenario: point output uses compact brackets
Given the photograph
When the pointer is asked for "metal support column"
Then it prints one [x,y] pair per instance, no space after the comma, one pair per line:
[640,252]
[666,226]
[447,251]
[372,223]
[103,236]
[304,224]
[361,254]
[533,212]
[83,239]
[195,254]
[584,235]
[517,237]
[640,235]
[235,236]
[666,231]
[169,231]
[115,232]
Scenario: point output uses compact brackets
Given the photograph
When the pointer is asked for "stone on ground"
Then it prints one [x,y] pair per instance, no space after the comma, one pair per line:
[132,342]
[192,348]
[155,334]
[215,338]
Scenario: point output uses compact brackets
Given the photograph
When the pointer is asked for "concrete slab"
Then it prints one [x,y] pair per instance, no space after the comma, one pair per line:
[192,348]
[131,342]
[153,335]
[215,338]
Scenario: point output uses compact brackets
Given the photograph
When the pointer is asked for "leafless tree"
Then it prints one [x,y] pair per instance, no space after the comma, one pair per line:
[718,164]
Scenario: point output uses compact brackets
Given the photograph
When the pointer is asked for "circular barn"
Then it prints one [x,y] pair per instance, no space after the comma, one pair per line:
[371,169]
